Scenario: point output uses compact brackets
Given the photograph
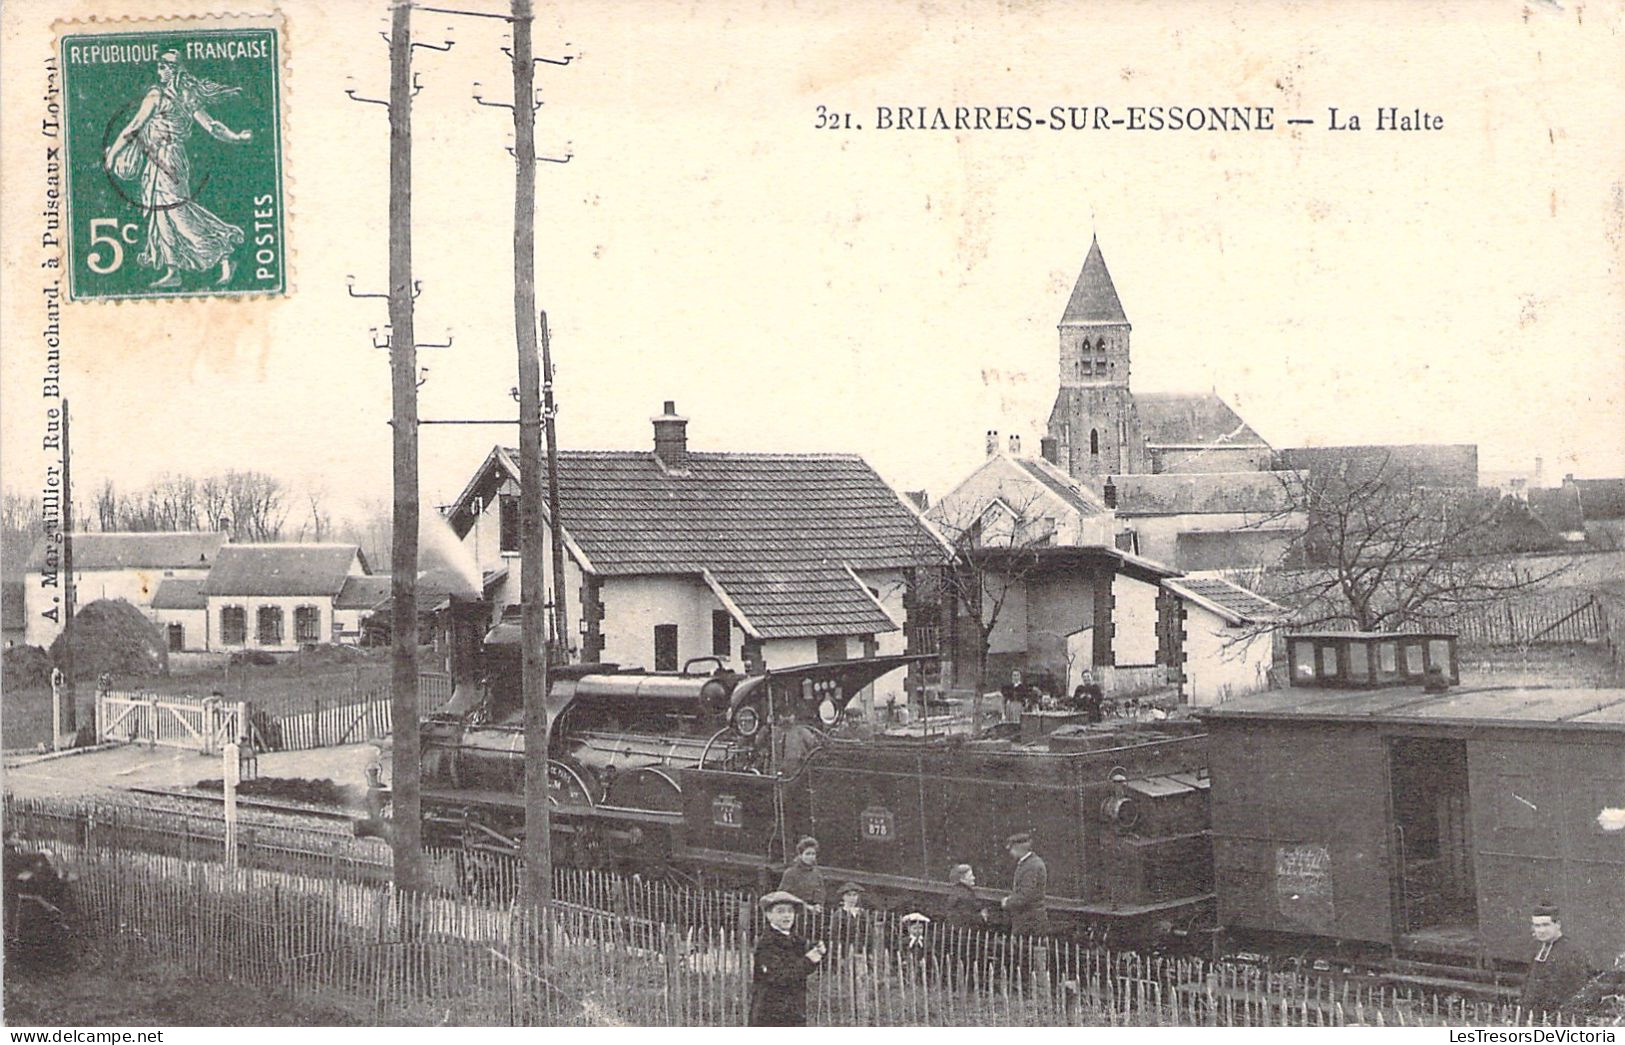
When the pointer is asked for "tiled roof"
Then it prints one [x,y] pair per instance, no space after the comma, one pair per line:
[363,593]
[129,551]
[1191,419]
[1094,299]
[180,593]
[776,531]
[1062,485]
[1202,493]
[1420,464]
[1230,601]
[281,569]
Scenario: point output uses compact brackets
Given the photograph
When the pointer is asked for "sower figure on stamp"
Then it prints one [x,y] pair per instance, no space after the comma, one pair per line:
[1558,971]
[781,965]
[181,234]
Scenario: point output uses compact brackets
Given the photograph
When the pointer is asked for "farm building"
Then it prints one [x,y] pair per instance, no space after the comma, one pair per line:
[277,597]
[128,566]
[1223,640]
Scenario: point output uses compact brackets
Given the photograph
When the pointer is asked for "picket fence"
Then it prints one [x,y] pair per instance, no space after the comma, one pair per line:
[621,950]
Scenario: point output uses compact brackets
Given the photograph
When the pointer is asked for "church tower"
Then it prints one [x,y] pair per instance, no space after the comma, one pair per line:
[1093,422]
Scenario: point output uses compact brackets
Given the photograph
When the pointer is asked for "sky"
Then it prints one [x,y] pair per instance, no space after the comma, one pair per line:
[888,293]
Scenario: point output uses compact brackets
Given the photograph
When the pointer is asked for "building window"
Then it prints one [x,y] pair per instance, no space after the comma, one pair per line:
[665,647]
[177,636]
[508,522]
[721,632]
[233,625]
[1094,441]
[268,625]
[307,624]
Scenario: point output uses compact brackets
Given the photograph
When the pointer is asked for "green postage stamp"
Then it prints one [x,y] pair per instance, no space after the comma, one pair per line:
[174,150]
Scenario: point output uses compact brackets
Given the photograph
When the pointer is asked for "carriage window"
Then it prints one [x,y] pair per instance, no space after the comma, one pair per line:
[1413,660]
[1388,658]
[1439,654]
[1359,661]
[1303,662]
[1328,661]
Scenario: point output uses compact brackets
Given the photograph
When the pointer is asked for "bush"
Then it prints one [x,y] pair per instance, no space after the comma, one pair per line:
[110,636]
[26,666]
[257,657]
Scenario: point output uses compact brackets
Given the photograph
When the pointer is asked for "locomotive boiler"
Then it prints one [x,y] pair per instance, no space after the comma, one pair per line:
[712,775]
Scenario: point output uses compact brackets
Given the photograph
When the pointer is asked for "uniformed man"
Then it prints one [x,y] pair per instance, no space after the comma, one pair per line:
[1559,970]
[803,878]
[781,965]
[1025,904]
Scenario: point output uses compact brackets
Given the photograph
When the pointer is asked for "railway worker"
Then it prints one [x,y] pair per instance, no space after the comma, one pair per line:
[1025,904]
[796,742]
[803,878]
[781,965]
[1558,971]
[965,908]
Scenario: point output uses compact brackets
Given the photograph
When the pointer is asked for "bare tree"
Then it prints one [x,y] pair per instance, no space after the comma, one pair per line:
[107,506]
[256,503]
[21,524]
[1384,551]
[996,543]
[318,525]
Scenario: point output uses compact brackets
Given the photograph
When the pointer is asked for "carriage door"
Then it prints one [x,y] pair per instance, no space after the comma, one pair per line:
[1432,832]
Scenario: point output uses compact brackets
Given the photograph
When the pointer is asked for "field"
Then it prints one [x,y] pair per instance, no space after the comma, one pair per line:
[291,684]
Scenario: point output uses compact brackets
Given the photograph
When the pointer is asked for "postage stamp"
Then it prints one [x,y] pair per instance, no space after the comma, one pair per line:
[175,166]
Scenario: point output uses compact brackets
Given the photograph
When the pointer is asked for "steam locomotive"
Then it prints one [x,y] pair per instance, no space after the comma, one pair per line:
[713,776]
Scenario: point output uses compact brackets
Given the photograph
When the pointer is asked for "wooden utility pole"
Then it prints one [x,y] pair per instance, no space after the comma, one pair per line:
[68,724]
[532,581]
[561,616]
[406,781]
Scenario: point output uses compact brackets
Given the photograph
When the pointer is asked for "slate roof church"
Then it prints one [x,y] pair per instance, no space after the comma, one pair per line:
[1100,428]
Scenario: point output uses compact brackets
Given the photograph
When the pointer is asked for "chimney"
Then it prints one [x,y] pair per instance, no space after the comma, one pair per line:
[992,441]
[1015,446]
[224,526]
[671,438]
[1049,448]
[1539,476]
[1108,493]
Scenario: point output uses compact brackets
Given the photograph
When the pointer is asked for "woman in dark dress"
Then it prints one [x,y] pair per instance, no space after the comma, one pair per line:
[965,908]
[781,965]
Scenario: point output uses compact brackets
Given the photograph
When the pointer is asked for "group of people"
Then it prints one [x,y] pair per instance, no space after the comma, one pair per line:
[784,959]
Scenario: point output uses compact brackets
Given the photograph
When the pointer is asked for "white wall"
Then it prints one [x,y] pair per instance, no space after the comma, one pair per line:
[1134,643]
[1009,634]
[135,586]
[1002,478]
[1222,662]
[251,604]
[1159,534]
[633,606]
[484,542]
[195,623]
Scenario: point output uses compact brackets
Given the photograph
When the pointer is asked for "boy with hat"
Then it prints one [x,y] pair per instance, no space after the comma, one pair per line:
[1025,903]
[803,878]
[849,923]
[1559,970]
[781,965]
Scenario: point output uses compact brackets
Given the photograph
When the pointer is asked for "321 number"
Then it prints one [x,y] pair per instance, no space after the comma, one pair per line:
[102,265]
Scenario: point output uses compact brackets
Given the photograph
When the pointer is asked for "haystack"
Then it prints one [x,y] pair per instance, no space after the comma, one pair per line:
[110,635]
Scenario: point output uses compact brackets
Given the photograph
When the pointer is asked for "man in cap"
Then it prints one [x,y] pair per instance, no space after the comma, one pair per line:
[781,965]
[1025,903]
[849,923]
[1559,970]
[803,877]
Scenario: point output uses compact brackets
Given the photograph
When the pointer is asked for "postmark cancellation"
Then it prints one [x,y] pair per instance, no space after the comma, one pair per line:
[175,175]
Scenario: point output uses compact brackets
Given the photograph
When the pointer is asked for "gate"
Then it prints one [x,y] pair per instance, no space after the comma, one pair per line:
[204,724]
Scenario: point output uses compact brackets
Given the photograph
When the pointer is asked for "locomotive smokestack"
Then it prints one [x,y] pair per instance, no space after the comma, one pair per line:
[671,438]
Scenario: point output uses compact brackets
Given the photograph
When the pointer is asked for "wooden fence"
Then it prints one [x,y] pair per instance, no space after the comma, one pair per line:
[326,725]
[618,950]
[1548,618]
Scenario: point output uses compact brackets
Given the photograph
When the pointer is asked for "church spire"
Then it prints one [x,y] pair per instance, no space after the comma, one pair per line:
[1094,299]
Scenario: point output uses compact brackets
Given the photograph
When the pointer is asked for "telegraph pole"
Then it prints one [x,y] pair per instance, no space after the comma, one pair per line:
[68,724]
[406,781]
[532,581]
[561,616]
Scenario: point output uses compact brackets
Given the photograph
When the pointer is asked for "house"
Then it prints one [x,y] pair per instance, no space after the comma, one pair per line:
[361,596]
[1016,501]
[758,560]
[1219,643]
[276,597]
[128,566]
[1209,520]
[181,611]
